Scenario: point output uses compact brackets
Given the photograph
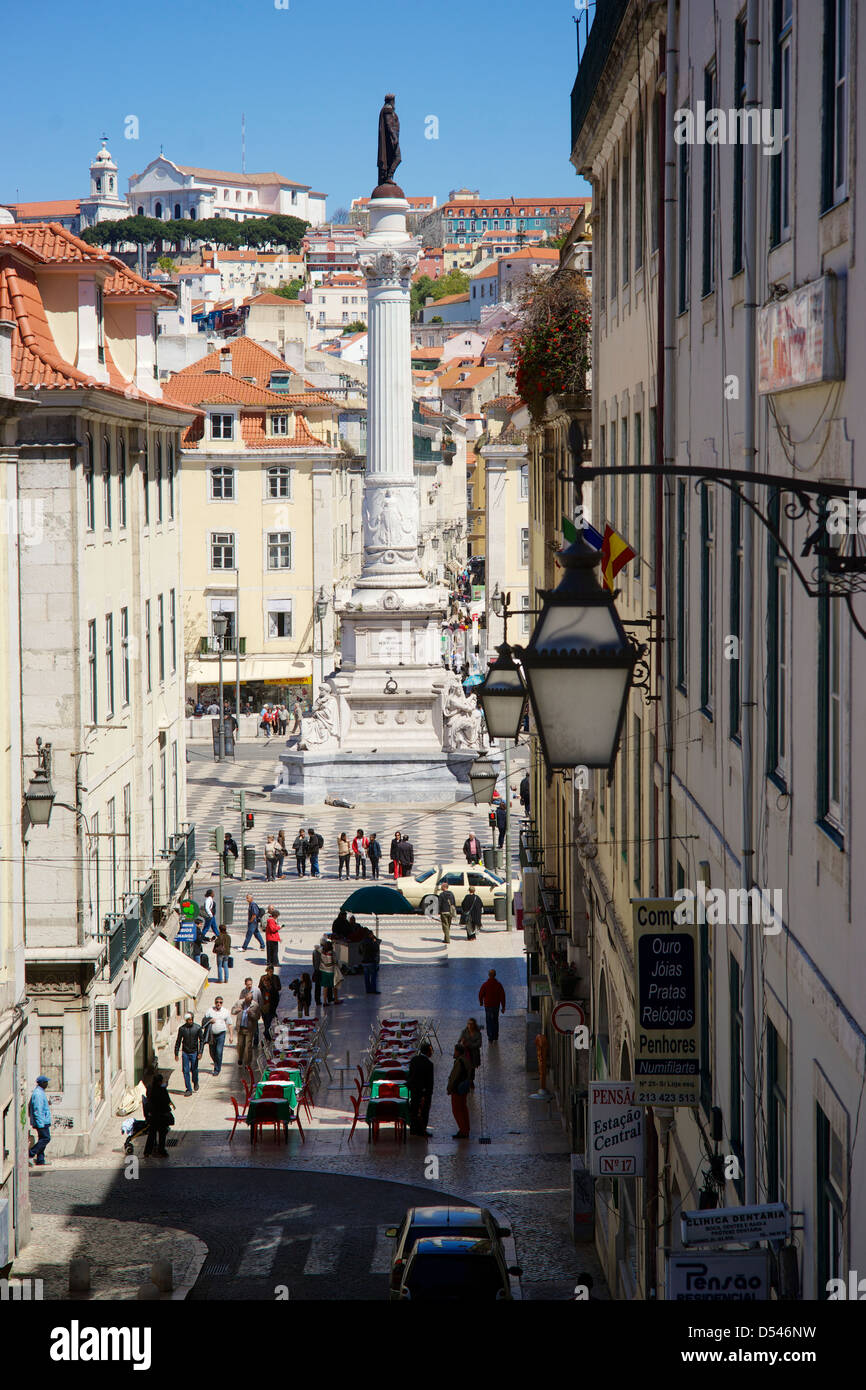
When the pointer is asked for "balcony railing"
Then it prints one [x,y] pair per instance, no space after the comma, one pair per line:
[605,26]
[209,646]
[181,856]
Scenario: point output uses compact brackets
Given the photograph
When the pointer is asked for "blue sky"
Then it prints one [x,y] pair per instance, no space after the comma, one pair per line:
[310,78]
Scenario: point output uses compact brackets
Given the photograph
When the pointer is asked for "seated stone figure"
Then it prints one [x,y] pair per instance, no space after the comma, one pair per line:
[322,725]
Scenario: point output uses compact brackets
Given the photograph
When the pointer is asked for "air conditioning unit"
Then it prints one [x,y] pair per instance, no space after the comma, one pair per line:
[161,885]
[103,1016]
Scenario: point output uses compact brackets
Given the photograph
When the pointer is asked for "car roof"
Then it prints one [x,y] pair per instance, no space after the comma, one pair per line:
[448,1216]
[452,1245]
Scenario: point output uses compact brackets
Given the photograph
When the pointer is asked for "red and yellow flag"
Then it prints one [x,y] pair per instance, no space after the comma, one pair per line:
[615,555]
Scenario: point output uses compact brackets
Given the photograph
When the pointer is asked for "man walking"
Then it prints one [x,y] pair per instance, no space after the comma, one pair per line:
[210,921]
[501,822]
[458,1088]
[220,1027]
[40,1118]
[314,844]
[447,908]
[272,935]
[524,792]
[374,854]
[472,849]
[407,856]
[359,849]
[254,917]
[247,1014]
[270,989]
[317,979]
[492,996]
[189,1043]
[470,914]
[370,962]
[420,1091]
[230,855]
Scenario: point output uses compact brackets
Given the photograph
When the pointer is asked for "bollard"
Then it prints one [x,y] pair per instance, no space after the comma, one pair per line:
[79,1275]
[147,1292]
[161,1275]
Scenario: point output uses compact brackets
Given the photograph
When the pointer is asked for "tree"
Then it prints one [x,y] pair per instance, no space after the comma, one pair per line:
[358,326]
[340,217]
[454,282]
[167,264]
[290,290]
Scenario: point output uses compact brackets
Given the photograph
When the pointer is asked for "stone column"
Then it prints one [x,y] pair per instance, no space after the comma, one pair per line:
[388,258]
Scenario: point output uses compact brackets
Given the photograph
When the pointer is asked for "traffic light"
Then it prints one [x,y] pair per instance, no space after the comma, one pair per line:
[491,818]
[249,820]
[239,801]
[216,839]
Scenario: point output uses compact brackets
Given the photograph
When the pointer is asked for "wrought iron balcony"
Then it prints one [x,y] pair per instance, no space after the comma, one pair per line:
[209,646]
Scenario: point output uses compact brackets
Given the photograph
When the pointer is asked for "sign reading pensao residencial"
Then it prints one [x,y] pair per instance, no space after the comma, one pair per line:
[667,1068]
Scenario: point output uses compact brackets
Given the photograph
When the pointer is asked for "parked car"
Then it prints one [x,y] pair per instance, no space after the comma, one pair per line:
[421,890]
[423,1222]
[451,1268]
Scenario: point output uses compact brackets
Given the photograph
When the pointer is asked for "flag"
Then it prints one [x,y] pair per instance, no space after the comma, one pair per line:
[615,555]
[570,533]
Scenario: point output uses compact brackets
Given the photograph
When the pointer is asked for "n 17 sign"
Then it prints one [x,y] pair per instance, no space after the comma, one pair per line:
[616,1143]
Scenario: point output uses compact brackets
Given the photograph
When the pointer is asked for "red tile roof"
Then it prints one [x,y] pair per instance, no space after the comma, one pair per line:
[248,359]
[266,298]
[254,435]
[472,376]
[449,299]
[221,176]
[210,388]
[65,207]
[511,403]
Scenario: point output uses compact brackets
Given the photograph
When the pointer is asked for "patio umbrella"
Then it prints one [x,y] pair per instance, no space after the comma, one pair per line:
[474,679]
[379,902]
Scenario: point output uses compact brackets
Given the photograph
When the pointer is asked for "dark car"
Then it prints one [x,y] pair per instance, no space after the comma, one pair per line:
[421,1222]
[448,1268]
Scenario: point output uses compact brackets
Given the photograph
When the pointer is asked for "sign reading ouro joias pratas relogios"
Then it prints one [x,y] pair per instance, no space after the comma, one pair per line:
[616,1147]
[667,1068]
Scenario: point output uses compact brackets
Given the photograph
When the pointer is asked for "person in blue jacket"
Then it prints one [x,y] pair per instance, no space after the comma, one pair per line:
[40,1118]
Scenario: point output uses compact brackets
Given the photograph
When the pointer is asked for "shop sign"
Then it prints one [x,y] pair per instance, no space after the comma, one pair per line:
[718,1225]
[667,1065]
[738,1277]
[616,1144]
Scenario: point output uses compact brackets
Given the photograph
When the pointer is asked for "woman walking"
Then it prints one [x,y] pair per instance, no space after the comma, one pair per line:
[303,991]
[458,1087]
[329,971]
[272,938]
[270,858]
[395,865]
[222,949]
[158,1112]
[471,1039]
[281,852]
[344,850]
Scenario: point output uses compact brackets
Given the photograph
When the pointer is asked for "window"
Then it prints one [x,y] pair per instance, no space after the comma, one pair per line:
[830,1213]
[279,617]
[177,211]
[222,484]
[127,838]
[91,663]
[279,425]
[147,659]
[637,459]
[175,787]
[280,550]
[708,635]
[613,476]
[524,547]
[222,427]
[222,550]
[625,480]
[780,191]
[778,636]
[51,1056]
[106,481]
[524,481]
[109,664]
[637,801]
[735,1050]
[124,655]
[171,482]
[112,829]
[655,167]
[653,495]
[709,173]
[121,484]
[100,327]
[626,217]
[739,147]
[89,508]
[145,482]
[614,236]
[682,584]
[163,797]
[777,1116]
[639,192]
[160,637]
[829,713]
[734,614]
[524,621]
[684,215]
[152,806]
[172,622]
[159,480]
[157,211]
[834,163]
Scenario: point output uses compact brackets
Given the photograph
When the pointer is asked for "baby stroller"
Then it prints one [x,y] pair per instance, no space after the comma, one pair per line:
[131,1130]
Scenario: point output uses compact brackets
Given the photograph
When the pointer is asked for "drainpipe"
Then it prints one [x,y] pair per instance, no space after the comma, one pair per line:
[669,428]
[750,249]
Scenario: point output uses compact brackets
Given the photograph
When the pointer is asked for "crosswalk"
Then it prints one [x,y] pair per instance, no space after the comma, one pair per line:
[274,1250]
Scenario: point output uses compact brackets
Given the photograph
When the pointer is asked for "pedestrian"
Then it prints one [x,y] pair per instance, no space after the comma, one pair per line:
[317,978]
[394,866]
[281,852]
[222,949]
[359,849]
[158,1111]
[247,1013]
[198,940]
[190,1044]
[272,936]
[220,1028]
[297,712]
[421,1075]
[501,822]
[447,908]
[265,721]
[210,921]
[254,920]
[470,914]
[492,996]
[458,1088]
[303,991]
[470,1040]
[340,927]
[270,989]
[299,845]
[524,792]
[39,1111]
[374,854]
[344,853]
[329,971]
[472,849]
[406,855]
[284,720]
[230,855]
[270,858]
[370,961]
[314,844]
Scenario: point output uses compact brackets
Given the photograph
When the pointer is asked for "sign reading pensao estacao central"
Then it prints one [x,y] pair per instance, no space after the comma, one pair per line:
[667,1068]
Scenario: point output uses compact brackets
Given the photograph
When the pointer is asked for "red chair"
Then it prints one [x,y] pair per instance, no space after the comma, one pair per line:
[387,1114]
[389,1090]
[238,1117]
[356,1106]
[272,1090]
[248,1091]
[265,1114]
[298,1123]
[249,1072]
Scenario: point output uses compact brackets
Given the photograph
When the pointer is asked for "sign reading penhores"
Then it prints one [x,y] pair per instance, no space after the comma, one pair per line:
[667,1068]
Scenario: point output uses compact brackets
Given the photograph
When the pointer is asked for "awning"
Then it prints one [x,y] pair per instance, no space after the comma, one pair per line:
[163,975]
[252,669]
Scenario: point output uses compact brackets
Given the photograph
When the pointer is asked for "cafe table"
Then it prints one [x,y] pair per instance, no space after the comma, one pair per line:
[403,1089]
[385,1111]
[292,1074]
[288,1088]
[384,1071]
[284,1111]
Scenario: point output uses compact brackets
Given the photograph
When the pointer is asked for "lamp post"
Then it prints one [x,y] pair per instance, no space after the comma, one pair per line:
[321,614]
[503,699]
[220,623]
[482,778]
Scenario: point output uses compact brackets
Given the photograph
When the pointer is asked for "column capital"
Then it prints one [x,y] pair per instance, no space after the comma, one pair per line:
[389,265]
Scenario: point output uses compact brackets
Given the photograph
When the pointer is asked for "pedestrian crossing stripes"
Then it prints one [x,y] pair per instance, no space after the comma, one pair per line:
[325,1251]
[260,1252]
[271,1247]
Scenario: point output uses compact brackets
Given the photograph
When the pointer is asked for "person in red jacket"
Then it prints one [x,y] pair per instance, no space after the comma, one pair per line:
[272,937]
[492,996]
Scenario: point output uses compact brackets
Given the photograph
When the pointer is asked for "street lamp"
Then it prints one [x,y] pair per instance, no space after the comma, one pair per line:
[503,696]
[220,623]
[321,614]
[482,777]
[39,796]
[578,666]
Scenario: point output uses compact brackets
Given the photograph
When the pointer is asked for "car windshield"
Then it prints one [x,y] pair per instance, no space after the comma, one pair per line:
[422,878]
[453,1276]
[494,878]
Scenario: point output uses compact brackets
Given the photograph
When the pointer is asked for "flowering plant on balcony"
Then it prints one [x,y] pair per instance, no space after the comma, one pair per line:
[552,350]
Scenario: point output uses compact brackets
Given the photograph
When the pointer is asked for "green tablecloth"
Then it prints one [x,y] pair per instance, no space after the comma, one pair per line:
[374,1090]
[402,1107]
[285,1112]
[379,1073]
[289,1090]
[294,1075]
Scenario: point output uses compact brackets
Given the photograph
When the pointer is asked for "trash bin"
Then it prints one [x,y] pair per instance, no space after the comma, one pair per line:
[499,861]
[228,911]
[249,857]
[490,860]
[499,907]
[229,862]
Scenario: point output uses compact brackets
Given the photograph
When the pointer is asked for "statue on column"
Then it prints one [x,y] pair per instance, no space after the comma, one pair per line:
[389,140]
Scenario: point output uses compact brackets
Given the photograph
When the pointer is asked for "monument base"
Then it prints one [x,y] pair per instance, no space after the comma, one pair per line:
[416,779]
